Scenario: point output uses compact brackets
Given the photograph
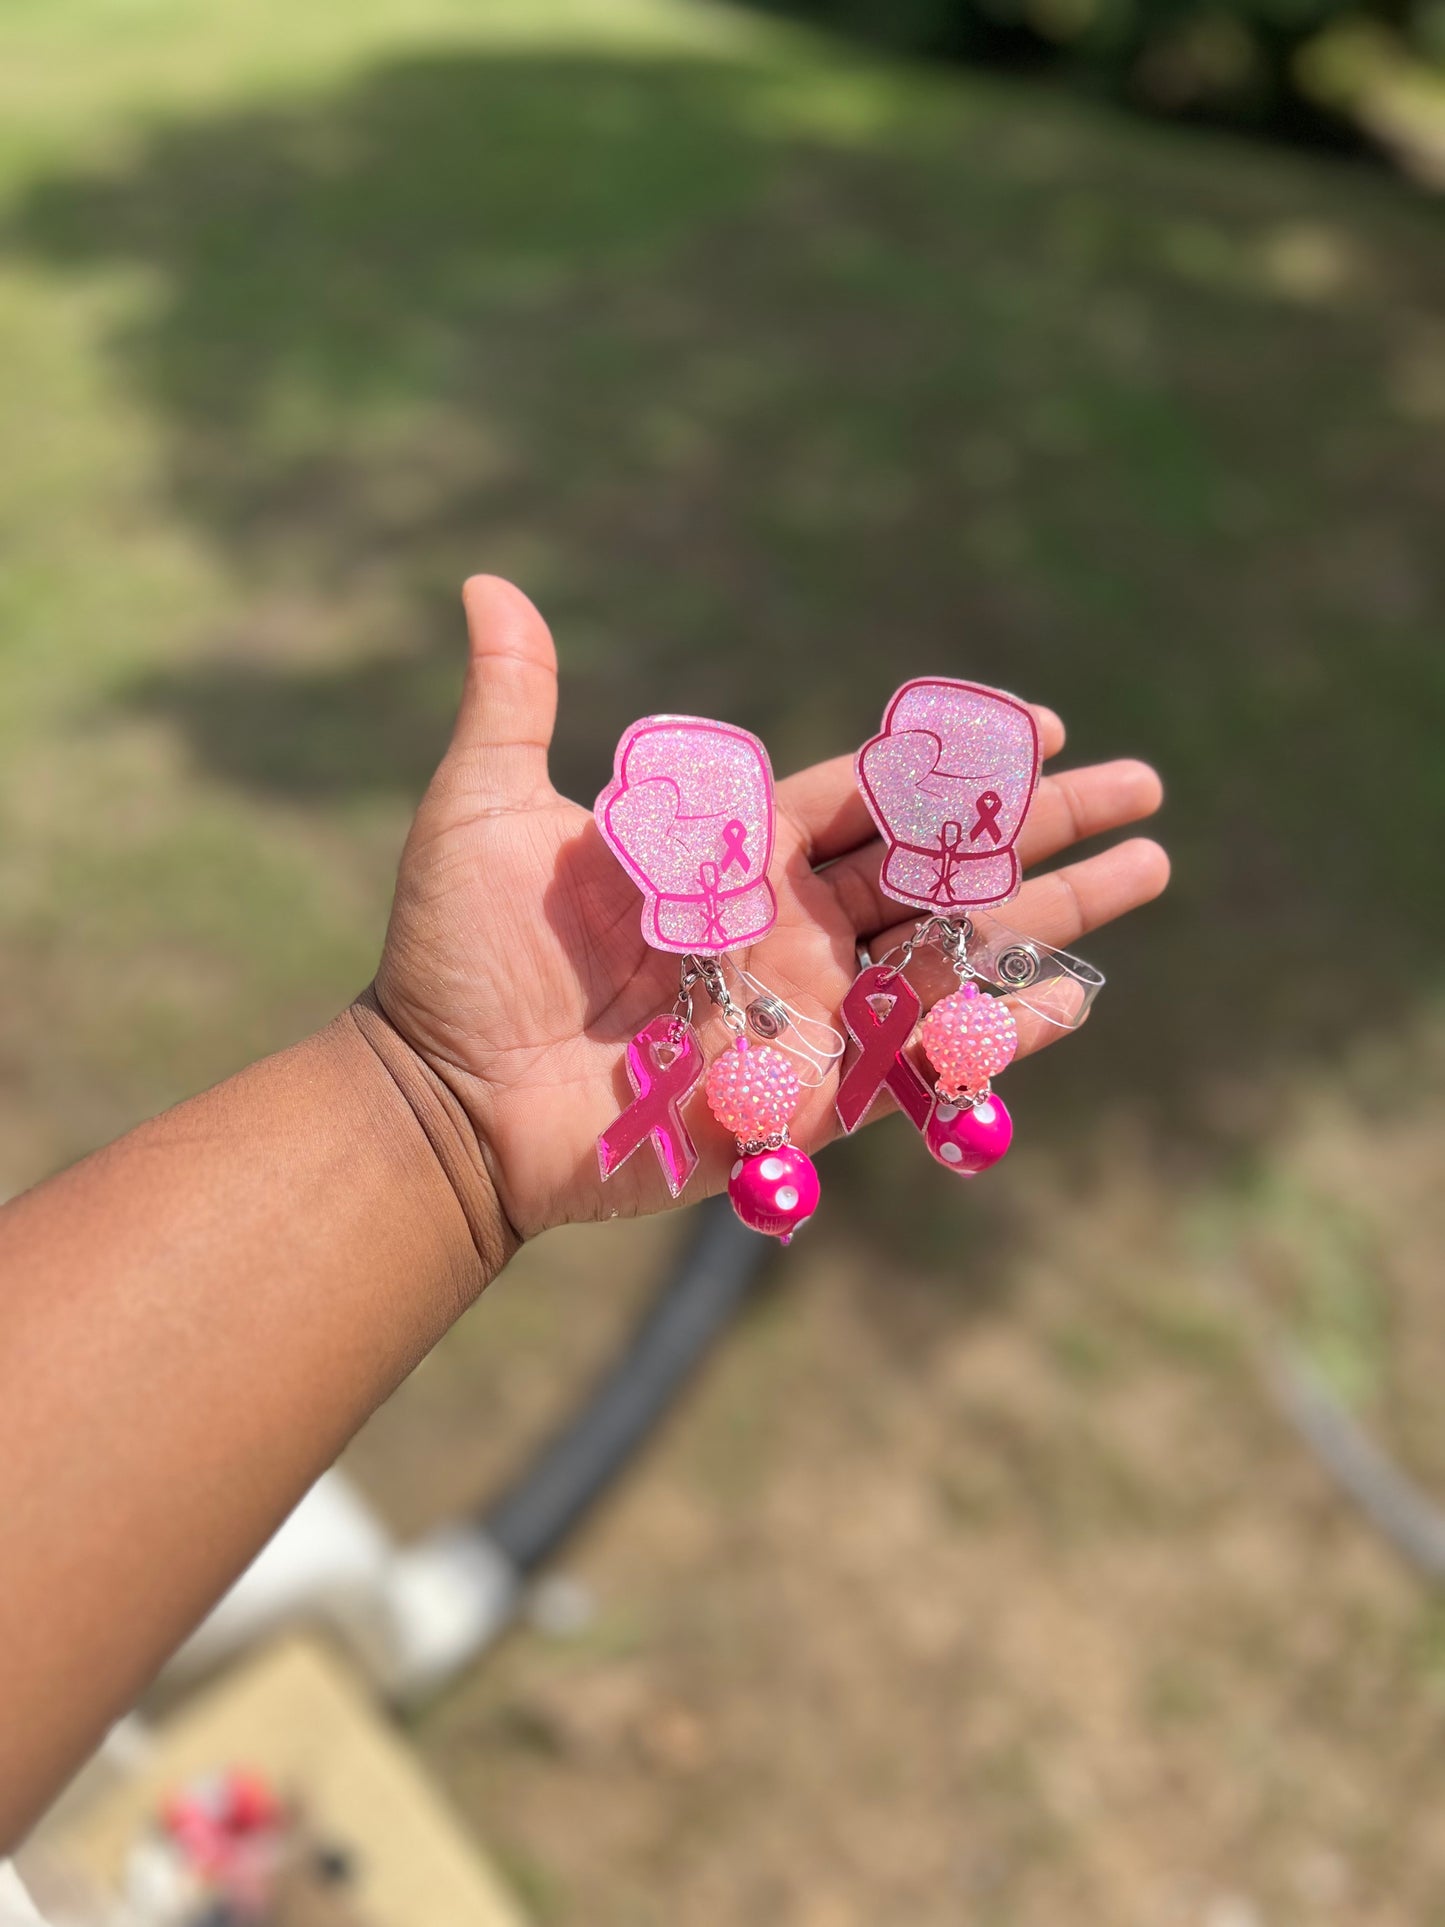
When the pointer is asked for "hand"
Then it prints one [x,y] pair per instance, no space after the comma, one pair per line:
[515,967]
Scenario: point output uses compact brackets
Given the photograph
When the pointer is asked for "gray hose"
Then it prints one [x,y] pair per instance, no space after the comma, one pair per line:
[699,1300]
[1393,1503]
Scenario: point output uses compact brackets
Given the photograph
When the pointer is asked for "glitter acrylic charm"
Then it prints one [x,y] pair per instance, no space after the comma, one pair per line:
[689,815]
[949,780]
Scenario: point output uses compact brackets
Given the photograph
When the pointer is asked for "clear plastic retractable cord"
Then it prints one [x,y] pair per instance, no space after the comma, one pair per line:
[815,1044]
[1054,984]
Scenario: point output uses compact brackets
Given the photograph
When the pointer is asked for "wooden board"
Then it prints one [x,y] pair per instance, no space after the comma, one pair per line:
[296,1712]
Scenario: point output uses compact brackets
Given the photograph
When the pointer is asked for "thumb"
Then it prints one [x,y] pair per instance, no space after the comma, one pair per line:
[509,698]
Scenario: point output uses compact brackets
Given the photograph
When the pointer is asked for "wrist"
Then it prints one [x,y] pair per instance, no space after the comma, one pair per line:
[430,1115]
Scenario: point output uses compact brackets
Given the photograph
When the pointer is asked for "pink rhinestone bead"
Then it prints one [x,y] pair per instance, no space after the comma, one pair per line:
[968,1039]
[753,1091]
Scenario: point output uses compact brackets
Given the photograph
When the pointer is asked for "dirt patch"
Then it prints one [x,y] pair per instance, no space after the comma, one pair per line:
[935,1604]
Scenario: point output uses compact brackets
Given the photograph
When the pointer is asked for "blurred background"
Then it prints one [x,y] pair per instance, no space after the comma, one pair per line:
[1095,349]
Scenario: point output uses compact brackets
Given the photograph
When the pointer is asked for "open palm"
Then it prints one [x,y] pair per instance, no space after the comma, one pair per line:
[515,964]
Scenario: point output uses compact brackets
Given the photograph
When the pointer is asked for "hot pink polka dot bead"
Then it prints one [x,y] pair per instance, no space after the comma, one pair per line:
[753,1091]
[968,1039]
[775,1192]
[968,1138]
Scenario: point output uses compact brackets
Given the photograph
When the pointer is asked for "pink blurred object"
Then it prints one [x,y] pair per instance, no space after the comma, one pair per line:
[969,1138]
[949,781]
[968,1039]
[221,1834]
[753,1091]
[689,815]
[775,1192]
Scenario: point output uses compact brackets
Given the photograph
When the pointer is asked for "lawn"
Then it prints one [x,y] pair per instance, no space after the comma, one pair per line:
[982,1580]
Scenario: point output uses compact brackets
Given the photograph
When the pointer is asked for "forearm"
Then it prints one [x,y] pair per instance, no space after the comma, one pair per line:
[192,1323]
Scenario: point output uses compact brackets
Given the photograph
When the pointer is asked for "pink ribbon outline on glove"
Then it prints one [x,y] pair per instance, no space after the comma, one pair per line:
[989,805]
[735,846]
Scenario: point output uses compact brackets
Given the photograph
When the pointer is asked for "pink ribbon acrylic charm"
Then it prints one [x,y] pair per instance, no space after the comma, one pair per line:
[881,1010]
[664,1065]
[948,781]
[689,815]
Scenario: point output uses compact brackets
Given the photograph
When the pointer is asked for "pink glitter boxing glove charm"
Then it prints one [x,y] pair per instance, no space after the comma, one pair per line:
[689,814]
[949,780]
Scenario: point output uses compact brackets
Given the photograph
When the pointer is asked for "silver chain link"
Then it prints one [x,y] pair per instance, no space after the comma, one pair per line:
[707,971]
[951,938]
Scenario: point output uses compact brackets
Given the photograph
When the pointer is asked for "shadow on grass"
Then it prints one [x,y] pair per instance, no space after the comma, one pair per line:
[776,384]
